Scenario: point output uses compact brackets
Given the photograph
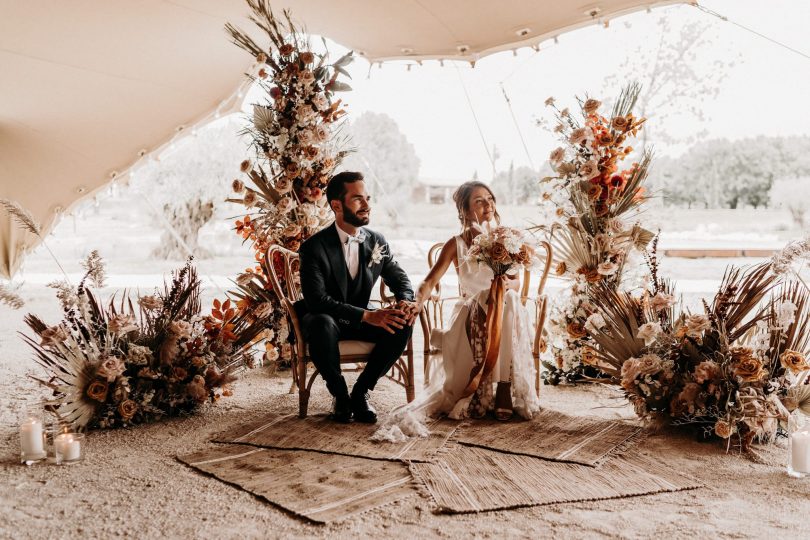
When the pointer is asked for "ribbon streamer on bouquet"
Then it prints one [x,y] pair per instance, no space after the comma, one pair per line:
[494,322]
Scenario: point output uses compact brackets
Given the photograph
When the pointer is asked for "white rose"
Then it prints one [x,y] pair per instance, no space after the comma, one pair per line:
[313,221]
[649,332]
[595,322]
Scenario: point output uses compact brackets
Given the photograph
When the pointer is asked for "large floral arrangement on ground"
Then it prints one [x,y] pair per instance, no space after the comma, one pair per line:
[734,371]
[295,135]
[593,201]
[117,365]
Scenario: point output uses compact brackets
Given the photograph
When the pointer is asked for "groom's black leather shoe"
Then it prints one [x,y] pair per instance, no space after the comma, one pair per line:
[343,410]
[362,409]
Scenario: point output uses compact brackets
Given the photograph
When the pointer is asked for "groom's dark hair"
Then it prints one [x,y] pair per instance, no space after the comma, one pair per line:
[336,189]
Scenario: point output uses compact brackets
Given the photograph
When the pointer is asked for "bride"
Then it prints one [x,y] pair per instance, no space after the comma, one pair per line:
[463,342]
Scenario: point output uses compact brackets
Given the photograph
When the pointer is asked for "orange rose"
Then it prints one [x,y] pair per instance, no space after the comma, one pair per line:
[747,366]
[286,49]
[620,123]
[307,57]
[589,356]
[794,361]
[127,409]
[498,253]
[594,191]
[576,330]
[593,275]
[97,390]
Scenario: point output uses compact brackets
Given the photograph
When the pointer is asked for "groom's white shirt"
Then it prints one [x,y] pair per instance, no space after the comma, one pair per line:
[351,250]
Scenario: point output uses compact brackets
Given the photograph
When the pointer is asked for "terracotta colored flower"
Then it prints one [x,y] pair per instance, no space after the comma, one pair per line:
[747,366]
[576,330]
[561,268]
[589,357]
[620,122]
[594,191]
[605,139]
[286,49]
[179,373]
[245,166]
[127,409]
[238,186]
[706,371]
[291,168]
[499,253]
[307,57]
[275,92]
[261,58]
[723,429]
[592,275]
[97,390]
[794,361]
[591,106]
[262,73]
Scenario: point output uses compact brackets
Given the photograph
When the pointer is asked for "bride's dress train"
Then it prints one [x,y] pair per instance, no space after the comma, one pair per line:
[463,346]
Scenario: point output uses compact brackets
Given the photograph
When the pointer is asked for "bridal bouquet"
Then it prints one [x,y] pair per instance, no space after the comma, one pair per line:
[732,370]
[294,132]
[592,200]
[117,365]
[501,248]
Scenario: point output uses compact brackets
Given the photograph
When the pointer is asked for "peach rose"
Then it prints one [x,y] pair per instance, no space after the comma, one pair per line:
[794,361]
[127,409]
[591,106]
[576,330]
[747,366]
[97,390]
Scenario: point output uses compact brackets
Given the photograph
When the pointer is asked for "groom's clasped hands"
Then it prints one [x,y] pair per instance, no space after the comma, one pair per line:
[403,313]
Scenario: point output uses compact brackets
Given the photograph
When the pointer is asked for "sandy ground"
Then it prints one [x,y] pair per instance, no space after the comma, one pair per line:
[131,485]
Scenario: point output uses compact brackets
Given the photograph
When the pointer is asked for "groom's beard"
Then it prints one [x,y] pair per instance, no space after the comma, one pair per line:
[353,219]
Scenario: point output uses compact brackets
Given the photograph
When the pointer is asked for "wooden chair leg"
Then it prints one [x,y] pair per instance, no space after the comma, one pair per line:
[410,388]
[537,375]
[303,391]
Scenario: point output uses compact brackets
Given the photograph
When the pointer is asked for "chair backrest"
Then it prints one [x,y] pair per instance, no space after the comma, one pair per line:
[433,252]
[546,268]
[283,266]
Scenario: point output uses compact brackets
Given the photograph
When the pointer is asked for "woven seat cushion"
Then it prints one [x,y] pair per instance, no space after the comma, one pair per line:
[353,346]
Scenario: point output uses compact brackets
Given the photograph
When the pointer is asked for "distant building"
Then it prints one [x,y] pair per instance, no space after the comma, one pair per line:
[435,190]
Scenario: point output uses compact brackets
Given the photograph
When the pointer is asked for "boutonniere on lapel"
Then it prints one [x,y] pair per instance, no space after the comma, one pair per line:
[377,254]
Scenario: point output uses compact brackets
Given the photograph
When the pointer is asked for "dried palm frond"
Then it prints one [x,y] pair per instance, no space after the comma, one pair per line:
[795,337]
[618,339]
[736,306]
[71,369]
[573,246]
[22,216]
[802,396]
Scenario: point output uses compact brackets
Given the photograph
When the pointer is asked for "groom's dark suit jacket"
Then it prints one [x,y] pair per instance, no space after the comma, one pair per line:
[327,286]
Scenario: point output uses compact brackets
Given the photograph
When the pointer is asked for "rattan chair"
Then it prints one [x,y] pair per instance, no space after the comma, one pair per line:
[283,265]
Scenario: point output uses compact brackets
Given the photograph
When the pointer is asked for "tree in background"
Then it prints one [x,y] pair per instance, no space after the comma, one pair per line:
[519,185]
[731,174]
[679,68]
[386,158]
[792,194]
[187,183]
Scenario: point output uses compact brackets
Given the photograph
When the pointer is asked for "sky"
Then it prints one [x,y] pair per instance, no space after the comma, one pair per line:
[764,93]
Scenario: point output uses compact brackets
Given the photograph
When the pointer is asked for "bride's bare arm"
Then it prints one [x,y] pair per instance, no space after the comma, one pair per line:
[446,257]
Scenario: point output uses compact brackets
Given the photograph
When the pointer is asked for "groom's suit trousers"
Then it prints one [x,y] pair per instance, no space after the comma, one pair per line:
[322,334]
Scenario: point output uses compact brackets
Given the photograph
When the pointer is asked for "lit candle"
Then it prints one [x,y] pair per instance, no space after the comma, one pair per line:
[67,448]
[800,451]
[31,442]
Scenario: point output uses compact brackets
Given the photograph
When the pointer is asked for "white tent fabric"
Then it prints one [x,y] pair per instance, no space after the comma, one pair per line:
[89,86]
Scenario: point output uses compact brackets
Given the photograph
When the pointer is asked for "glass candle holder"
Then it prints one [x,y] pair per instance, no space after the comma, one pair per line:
[32,435]
[68,447]
[798,445]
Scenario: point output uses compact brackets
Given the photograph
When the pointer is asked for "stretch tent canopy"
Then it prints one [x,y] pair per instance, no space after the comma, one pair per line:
[89,87]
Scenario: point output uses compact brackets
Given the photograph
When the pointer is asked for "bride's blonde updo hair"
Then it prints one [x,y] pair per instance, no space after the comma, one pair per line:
[462,197]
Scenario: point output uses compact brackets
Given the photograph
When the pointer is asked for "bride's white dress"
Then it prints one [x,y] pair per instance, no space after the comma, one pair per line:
[463,346]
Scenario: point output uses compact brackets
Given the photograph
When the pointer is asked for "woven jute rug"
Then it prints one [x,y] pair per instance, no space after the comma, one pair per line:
[320,487]
[320,434]
[467,479]
[553,435]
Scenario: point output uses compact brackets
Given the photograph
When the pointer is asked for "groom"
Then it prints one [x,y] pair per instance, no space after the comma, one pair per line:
[339,268]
